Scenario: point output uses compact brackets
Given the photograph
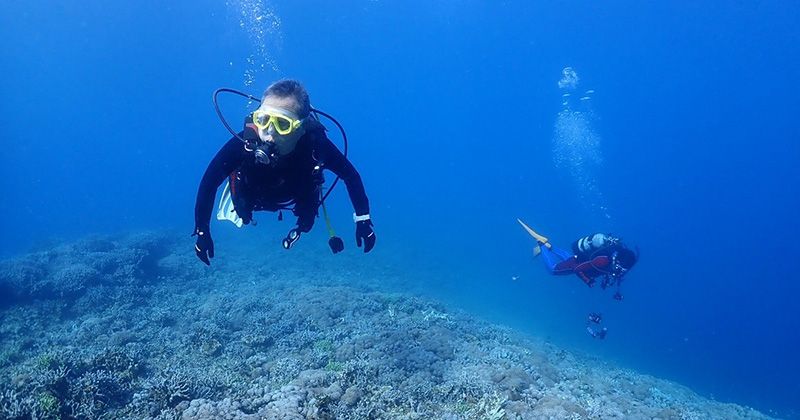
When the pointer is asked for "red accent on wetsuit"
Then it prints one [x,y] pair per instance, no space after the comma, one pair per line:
[587,271]
[566,267]
[232,183]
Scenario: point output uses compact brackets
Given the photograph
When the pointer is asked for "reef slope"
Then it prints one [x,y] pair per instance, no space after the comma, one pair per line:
[134,327]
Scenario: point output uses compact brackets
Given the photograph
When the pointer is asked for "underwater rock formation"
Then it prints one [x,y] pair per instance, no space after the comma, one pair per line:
[133,327]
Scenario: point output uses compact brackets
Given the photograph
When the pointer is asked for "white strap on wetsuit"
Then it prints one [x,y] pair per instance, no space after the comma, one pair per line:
[361,218]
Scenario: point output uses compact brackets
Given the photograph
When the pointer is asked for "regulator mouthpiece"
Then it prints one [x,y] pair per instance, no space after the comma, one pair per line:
[265,154]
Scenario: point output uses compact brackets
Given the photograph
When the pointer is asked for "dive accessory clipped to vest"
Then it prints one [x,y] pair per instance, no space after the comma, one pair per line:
[614,277]
[617,270]
[290,238]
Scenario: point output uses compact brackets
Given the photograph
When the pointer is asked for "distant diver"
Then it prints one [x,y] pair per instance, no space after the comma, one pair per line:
[274,163]
[596,256]
[593,326]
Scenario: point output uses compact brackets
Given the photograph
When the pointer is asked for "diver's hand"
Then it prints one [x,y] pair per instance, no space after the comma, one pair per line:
[204,247]
[365,233]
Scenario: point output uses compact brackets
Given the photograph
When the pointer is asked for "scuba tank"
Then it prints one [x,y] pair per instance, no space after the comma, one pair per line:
[588,245]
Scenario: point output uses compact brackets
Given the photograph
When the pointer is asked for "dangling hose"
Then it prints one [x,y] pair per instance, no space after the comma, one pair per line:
[344,138]
[219,112]
[334,242]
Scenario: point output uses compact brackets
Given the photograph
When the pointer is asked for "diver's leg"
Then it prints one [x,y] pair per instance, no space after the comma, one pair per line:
[305,221]
[557,261]
[563,254]
[243,207]
[306,209]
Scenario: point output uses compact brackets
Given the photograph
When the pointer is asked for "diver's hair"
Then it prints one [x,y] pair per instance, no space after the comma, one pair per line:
[627,258]
[285,88]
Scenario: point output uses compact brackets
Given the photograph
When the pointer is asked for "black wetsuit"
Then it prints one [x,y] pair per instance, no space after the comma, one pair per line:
[293,178]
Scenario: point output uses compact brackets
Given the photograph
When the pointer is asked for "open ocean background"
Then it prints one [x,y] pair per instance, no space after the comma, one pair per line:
[687,147]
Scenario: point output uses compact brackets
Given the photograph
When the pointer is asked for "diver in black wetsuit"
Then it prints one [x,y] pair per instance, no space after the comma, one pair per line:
[280,163]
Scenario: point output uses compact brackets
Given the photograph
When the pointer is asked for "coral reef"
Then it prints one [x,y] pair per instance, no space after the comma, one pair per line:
[133,327]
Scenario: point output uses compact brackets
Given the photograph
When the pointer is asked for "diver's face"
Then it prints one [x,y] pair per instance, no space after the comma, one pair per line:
[284,144]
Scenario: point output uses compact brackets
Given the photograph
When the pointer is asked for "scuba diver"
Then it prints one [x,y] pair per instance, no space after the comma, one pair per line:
[277,161]
[596,256]
[593,326]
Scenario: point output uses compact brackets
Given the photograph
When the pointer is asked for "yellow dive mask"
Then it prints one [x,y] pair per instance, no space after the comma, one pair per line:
[284,122]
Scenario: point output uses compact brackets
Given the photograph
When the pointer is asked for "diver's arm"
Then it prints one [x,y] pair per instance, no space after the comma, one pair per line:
[229,157]
[339,165]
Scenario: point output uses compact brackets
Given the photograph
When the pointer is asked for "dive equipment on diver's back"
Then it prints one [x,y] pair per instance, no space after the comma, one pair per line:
[589,244]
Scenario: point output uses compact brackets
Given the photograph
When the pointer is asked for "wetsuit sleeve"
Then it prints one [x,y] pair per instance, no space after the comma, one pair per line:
[335,161]
[229,157]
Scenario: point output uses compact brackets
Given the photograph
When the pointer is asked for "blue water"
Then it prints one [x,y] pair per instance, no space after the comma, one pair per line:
[453,112]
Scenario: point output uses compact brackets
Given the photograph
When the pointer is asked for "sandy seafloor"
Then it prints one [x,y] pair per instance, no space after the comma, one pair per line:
[132,326]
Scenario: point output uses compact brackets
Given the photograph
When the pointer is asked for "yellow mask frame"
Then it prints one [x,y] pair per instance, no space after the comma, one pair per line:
[283,121]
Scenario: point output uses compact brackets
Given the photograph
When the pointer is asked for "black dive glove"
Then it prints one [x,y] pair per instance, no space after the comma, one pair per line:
[204,247]
[365,233]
